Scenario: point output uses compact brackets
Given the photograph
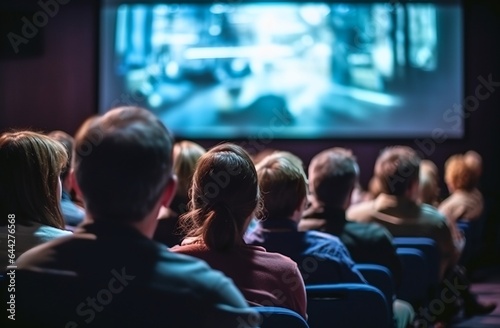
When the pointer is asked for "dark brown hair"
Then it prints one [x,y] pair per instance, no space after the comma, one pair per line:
[122,163]
[333,173]
[397,168]
[30,165]
[224,194]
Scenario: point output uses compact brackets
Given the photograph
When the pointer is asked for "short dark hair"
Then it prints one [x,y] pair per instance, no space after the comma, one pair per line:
[283,186]
[122,163]
[224,193]
[333,173]
[397,168]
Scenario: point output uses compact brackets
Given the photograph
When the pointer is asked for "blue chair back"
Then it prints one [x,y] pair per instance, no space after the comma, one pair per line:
[473,232]
[277,317]
[380,277]
[347,305]
[429,247]
[415,279]
[231,317]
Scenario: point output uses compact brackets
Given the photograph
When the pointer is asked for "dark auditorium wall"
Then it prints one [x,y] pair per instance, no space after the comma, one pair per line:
[57,89]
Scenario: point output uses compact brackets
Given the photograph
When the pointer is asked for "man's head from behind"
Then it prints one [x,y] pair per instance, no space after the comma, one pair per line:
[397,169]
[283,184]
[333,173]
[123,164]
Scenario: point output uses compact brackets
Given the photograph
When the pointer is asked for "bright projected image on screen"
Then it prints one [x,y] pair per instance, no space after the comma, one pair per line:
[300,70]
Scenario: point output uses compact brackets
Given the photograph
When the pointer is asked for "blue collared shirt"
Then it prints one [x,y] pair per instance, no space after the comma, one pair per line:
[321,257]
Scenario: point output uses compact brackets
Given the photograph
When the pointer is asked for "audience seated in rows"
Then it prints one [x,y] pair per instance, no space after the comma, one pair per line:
[131,196]
[186,154]
[73,214]
[397,208]
[110,272]
[321,258]
[223,199]
[30,191]
[333,175]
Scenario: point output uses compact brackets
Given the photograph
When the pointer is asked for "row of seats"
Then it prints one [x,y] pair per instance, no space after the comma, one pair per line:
[329,305]
[350,304]
[359,305]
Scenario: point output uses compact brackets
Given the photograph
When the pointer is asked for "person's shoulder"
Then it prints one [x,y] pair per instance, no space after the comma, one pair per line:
[273,258]
[46,233]
[452,199]
[432,217]
[179,260]
[311,223]
[322,237]
[369,230]
[42,253]
[181,270]
[360,211]
[431,212]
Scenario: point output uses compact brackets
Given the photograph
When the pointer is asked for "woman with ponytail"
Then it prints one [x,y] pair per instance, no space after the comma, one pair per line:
[224,197]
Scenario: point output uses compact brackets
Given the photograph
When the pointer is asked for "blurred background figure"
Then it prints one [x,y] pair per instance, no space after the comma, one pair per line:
[429,190]
[73,213]
[465,201]
[464,206]
[30,190]
[185,155]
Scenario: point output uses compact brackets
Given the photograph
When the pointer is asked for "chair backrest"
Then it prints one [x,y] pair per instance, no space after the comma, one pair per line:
[231,317]
[40,304]
[277,317]
[473,232]
[415,279]
[430,249]
[380,277]
[428,246]
[347,305]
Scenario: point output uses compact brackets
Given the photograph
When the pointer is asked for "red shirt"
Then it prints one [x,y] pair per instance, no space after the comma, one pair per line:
[264,278]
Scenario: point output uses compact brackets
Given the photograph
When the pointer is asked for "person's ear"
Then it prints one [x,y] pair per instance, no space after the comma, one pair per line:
[169,191]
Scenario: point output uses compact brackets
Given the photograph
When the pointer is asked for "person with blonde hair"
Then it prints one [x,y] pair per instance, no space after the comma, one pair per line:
[30,190]
[224,197]
[72,212]
[185,155]
[429,183]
